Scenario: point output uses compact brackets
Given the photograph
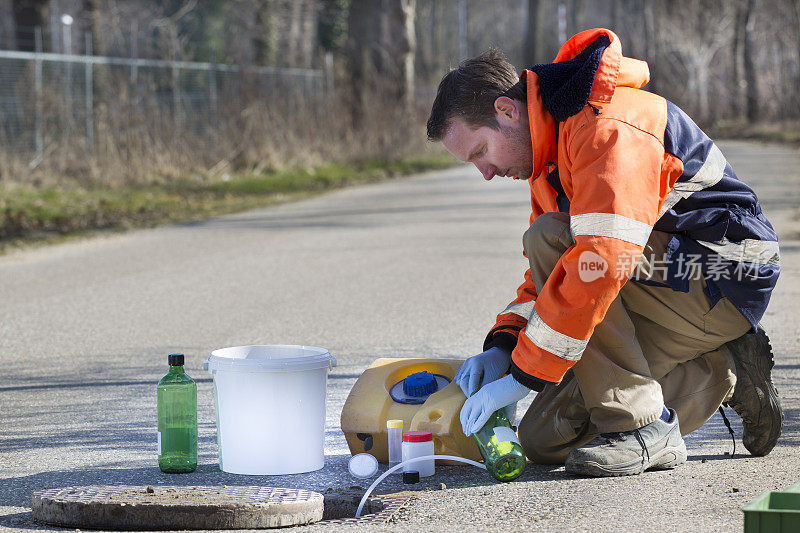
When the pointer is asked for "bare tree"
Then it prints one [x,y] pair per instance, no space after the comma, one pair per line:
[796,12]
[8,28]
[265,33]
[737,79]
[576,16]
[531,52]
[381,50]
[400,45]
[697,48]
[749,61]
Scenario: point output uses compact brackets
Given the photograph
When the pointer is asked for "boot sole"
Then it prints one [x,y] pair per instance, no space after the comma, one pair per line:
[749,351]
[666,459]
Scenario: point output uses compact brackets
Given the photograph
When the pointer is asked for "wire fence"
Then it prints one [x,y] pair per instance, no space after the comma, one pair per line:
[51,100]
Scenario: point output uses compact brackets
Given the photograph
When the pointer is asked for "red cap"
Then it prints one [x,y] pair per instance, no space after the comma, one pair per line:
[417,436]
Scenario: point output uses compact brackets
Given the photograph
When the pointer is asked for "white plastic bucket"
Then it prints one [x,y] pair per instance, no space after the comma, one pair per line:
[270,403]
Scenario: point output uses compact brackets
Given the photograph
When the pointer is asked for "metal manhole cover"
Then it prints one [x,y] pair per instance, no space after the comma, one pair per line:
[176,507]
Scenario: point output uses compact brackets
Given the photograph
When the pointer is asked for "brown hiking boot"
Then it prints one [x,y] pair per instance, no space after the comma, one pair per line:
[755,397]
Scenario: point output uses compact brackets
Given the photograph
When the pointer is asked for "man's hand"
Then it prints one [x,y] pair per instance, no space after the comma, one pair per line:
[491,397]
[481,369]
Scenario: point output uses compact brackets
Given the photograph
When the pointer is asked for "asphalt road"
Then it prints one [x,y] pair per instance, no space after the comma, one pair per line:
[413,267]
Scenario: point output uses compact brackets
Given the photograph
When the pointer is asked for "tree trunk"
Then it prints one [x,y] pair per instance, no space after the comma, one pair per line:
[749,62]
[94,25]
[265,37]
[381,51]
[291,53]
[575,18]
[651,40]
[8,29]
[796,93]
[332,25]
[362,20]
[399,47]
[309,42]
[531,53]
[737,83]
[702,66]
[616,12]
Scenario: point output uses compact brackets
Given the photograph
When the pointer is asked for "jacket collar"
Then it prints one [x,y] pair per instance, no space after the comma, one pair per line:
[542,126]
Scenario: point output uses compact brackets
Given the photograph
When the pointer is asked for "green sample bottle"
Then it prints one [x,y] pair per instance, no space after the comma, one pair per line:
[177,419]
[500,448]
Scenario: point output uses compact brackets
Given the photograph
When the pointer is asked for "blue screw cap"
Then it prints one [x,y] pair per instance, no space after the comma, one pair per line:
[420,384]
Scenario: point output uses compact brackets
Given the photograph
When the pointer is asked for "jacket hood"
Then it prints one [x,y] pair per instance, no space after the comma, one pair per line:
[613,70]
[588,68]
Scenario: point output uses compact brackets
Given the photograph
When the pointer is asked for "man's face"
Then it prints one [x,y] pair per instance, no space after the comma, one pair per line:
[505,151]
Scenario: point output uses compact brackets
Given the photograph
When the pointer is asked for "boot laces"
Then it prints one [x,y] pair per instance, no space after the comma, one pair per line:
[730,429]
[641,441]
[613,438]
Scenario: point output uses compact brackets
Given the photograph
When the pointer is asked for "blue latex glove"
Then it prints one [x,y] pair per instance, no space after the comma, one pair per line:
[491,397]
[481,369]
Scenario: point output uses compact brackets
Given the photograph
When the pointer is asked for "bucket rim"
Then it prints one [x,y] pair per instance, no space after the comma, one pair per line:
[317,358]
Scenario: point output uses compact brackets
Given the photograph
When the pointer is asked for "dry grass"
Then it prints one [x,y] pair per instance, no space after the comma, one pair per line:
[148,166]
[785,131]
[140,138]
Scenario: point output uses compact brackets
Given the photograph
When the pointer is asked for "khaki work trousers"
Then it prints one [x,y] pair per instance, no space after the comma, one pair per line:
[654,347]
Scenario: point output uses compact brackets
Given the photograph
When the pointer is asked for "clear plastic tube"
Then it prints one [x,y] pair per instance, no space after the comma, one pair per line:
[395,438]
[410,461]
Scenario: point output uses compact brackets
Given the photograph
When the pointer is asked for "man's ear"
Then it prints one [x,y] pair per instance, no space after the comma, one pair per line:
[507,108]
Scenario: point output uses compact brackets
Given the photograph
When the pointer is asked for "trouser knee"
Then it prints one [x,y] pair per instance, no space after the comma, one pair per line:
[542,453]
[548,230]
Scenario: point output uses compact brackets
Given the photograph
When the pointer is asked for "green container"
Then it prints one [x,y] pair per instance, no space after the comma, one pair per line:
[500,448]
[177,419]
[774,512]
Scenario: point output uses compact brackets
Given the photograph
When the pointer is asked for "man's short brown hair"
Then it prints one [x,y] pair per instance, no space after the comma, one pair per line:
[469,91]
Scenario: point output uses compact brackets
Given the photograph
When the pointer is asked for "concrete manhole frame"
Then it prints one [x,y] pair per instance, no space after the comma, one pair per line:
[198,507]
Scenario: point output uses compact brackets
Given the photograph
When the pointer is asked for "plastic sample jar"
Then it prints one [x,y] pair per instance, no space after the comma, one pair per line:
[363,465]
[394,431]
[419,444]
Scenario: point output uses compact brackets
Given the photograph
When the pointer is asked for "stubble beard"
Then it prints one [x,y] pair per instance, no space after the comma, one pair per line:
[521,151]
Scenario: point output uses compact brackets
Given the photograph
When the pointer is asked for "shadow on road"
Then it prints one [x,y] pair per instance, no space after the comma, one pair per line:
[89,384]
[119,436]
[714,434]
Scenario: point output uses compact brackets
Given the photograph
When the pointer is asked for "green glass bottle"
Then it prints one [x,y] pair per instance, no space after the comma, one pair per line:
[500,447]
[177,419]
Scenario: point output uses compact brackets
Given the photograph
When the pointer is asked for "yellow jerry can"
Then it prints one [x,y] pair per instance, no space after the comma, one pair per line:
[421,393]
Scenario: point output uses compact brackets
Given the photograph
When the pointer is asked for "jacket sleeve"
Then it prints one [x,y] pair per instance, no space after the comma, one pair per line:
[615,176]
[514,317]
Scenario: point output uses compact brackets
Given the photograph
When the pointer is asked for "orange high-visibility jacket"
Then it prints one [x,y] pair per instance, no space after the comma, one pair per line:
[612,162]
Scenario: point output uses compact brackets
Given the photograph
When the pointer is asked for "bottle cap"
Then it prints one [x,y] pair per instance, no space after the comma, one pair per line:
[410,477]
[415,388]
[363,465]
[392,424]
[420,384]
[175,359]
[417,436]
